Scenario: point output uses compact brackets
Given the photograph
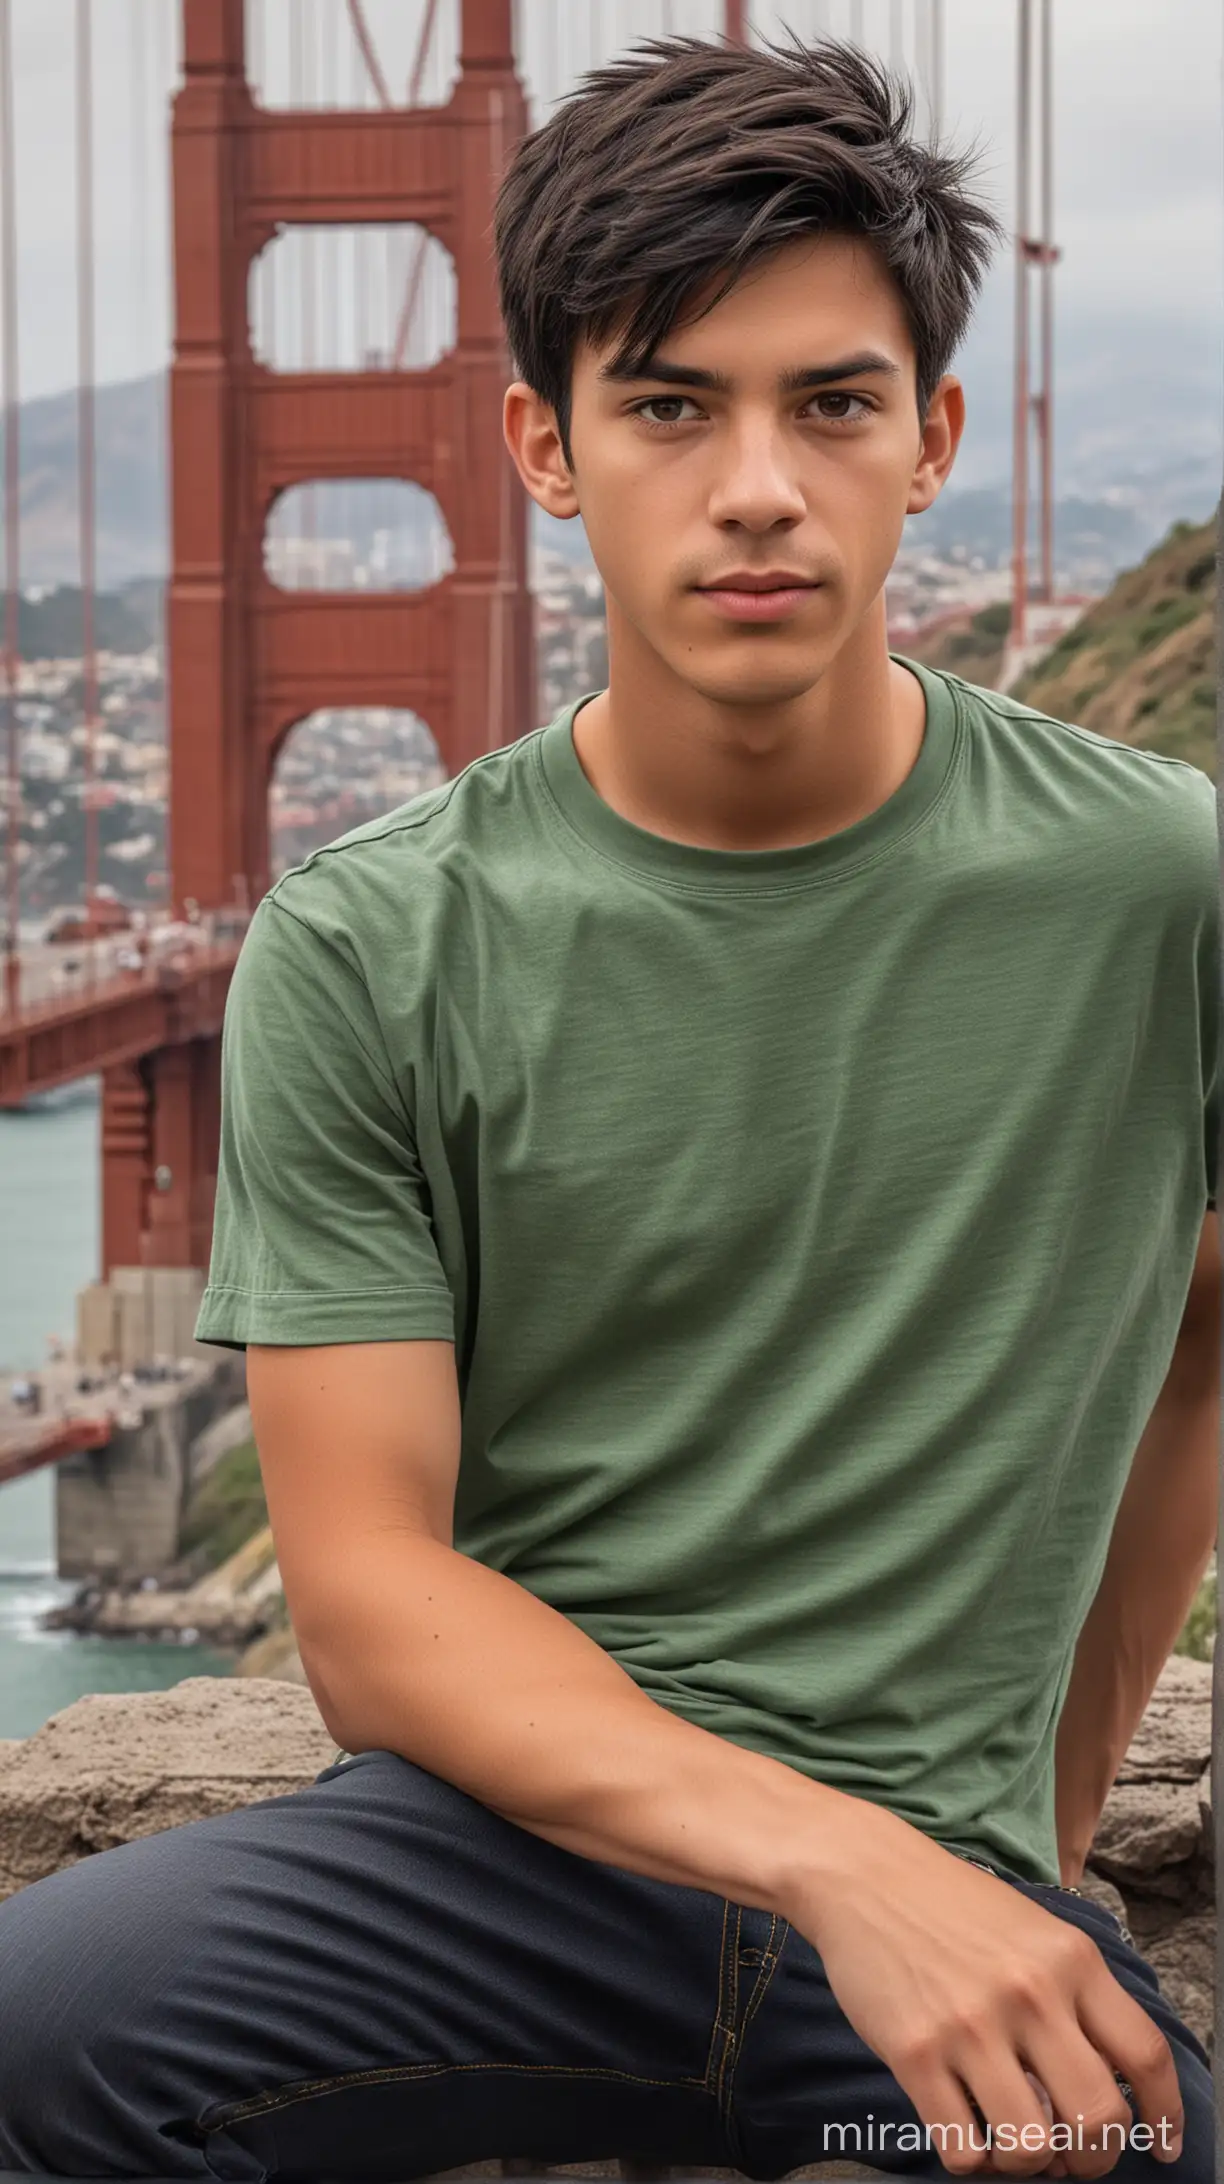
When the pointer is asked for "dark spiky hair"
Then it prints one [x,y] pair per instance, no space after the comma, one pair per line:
[685,160]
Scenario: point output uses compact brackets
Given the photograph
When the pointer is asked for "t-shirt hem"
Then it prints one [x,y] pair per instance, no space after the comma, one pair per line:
[231,1318]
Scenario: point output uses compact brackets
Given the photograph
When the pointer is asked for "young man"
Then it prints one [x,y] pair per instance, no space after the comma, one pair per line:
[717,1200]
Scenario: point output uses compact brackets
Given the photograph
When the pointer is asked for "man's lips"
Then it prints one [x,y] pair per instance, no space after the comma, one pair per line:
[758,580]
[745,599]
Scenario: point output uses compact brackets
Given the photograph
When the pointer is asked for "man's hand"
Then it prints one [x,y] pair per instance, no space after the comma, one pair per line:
[961,1984]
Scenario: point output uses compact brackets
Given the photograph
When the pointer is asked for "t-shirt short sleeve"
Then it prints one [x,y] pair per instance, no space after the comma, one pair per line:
[322,1231]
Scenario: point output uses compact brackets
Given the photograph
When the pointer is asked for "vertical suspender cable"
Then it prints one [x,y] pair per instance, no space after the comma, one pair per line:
[274,267]
[85,445]
[293,251]
[937,67]
[12,509]
[358,83]
[922,53]
[496,706]
[140,157]
[1217,1658]
[1048,259]
[382,94]
[256,62]
[306,13]
[365,44]
[1019,624]
[417,270]
[160,24]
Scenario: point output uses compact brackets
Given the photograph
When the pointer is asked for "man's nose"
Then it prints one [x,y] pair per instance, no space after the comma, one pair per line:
[757,484]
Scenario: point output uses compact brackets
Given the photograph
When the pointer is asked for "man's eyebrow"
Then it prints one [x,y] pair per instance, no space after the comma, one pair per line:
[792,382]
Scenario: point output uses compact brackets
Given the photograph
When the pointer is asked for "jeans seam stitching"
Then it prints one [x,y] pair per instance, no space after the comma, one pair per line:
[262,2104]
[729,2030]
[769,1965]
[718,2025]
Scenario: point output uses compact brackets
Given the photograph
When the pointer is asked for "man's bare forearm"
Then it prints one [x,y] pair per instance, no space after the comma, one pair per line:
[1161,1545]
[467,1674]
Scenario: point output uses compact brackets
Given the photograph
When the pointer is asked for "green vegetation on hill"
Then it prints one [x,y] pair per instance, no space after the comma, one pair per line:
[1141,663]
[226,1512]
[50,628]
[974,651]
[1197,1636]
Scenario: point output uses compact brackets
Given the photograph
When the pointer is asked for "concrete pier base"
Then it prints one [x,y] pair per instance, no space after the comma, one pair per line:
[119,1509]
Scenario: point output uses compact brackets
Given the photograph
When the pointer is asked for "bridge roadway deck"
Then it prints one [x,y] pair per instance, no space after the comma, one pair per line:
[70,1028]
[68,1418]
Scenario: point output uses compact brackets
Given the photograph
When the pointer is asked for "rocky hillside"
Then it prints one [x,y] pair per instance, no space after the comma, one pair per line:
[971,648]
[1141,664]
[1138,666]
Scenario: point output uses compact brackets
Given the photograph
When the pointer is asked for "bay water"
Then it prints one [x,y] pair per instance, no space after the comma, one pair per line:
[49,1250]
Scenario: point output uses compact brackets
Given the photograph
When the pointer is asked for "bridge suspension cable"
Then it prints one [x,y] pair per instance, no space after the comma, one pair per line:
[369,53]
[87,469]
[12,513]
[412,290]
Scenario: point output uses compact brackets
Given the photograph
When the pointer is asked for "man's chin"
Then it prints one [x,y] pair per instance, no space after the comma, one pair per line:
[753,683]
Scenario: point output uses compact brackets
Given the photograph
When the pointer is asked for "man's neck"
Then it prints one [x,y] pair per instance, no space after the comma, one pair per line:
[720,777]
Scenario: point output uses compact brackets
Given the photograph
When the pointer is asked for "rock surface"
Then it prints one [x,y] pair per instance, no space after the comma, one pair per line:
[116,1766]
[1154,1843]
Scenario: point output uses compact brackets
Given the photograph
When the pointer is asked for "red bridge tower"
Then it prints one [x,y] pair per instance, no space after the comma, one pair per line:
[247,660]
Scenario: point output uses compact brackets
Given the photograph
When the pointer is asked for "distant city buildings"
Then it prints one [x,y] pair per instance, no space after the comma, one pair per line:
[339,768]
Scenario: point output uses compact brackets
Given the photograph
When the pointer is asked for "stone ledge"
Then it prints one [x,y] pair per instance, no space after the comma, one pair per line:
[115,1766]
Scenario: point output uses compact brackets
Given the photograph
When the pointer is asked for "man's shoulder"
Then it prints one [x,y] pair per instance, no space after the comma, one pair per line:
[410,856]
[1101,769]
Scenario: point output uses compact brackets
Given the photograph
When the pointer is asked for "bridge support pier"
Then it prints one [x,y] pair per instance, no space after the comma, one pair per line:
[186,1127]
[161,1121]
[125,1163]
[119,1510]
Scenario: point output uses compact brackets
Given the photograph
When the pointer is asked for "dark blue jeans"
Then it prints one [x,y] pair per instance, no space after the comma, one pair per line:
[375,1977]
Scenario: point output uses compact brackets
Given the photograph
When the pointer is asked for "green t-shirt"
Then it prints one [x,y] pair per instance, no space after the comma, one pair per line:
[813,1224]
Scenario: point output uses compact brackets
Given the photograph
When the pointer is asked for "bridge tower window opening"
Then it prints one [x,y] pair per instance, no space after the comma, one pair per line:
[339,768]
[377,42]
[369,534]
[368,272]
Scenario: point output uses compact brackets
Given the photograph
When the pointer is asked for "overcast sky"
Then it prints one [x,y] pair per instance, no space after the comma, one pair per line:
[1139,167]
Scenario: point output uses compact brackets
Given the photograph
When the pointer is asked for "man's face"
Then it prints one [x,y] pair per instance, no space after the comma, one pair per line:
[683,485]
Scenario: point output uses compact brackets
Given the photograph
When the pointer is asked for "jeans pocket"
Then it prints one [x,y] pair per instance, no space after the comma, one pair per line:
[1090,1903]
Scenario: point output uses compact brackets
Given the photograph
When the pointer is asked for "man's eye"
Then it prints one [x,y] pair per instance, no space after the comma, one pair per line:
[842,418]
[665,402]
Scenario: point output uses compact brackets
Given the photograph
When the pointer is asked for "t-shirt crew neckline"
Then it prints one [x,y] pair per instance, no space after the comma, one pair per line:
[686,865]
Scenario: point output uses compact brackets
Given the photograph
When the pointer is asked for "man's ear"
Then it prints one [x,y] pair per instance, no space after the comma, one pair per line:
[530,428]
[941,436]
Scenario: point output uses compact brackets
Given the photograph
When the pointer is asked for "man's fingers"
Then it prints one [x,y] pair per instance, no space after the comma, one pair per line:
[1019,2126]
[1125,2035]
[952,2130]
[1086,2097]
